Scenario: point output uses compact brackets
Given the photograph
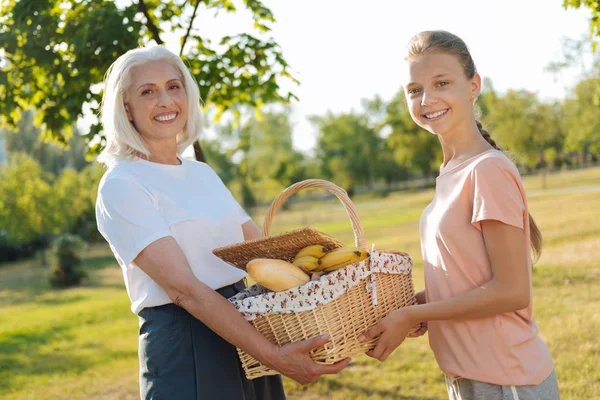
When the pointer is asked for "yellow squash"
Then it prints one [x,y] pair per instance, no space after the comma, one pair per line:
[276,275]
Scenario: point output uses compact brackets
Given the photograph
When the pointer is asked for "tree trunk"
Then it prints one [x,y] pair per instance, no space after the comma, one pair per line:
[544,174]
[198,152]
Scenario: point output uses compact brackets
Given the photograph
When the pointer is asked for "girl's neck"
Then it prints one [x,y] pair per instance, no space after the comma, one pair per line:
[462,144]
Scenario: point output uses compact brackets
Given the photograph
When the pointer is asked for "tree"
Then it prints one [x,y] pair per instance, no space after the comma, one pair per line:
[520,123]
[594,7]
[219,159]
[581,107]
[413,147]
[239,142]
[257,156]
[386,167]
[26,206]
[272,156]
[51,156]
[56,53]
[85,223]
[582,122]
[67,195]
[487,97]
[66,268]
[348,148]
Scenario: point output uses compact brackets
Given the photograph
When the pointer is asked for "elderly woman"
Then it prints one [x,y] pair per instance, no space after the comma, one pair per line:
[162,215]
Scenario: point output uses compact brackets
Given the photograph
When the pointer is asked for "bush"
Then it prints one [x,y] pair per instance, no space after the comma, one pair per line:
[10,251]
[65,264]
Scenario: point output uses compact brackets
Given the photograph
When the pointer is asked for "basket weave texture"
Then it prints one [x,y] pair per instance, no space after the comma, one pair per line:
[350,300]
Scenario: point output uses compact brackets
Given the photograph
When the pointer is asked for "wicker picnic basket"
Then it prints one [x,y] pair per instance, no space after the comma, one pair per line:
[343,304]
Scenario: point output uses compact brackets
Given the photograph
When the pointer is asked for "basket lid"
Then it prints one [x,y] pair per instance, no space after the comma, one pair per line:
[286,245]
[283,246]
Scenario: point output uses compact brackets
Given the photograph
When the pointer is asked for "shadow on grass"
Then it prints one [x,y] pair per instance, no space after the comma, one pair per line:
[581,235]
[27,353]
[99,263]
[20,352]
[560,275]
[60,300]
[30,283]
[334,385]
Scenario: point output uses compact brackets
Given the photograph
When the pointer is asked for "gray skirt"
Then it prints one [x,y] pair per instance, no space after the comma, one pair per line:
[182,359]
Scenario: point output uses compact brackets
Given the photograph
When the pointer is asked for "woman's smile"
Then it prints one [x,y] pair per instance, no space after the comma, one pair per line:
[166,117]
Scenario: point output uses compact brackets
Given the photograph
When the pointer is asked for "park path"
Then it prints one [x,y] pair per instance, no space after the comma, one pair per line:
[546,192]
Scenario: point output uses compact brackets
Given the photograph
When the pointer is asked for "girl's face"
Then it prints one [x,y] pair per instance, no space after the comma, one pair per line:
[157,101]
[438,93]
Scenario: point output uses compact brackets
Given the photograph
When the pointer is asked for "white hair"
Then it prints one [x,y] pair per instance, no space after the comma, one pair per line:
[122,139]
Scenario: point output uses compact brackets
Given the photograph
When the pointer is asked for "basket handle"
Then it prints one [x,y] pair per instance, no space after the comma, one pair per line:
[359,234]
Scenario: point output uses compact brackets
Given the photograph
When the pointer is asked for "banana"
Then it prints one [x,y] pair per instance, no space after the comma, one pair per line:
[341,257]
[307,263]
[315,250]
[276,275]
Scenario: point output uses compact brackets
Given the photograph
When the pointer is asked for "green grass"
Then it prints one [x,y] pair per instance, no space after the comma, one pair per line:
[574,178]
[81,343]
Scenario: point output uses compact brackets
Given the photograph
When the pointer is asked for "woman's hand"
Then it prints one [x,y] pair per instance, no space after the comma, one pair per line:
[293,360]
[392,330]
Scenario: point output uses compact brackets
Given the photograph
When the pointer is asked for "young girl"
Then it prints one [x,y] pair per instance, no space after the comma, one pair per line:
[475,239]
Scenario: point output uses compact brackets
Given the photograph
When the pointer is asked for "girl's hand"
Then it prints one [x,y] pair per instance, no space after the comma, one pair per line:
[392,330]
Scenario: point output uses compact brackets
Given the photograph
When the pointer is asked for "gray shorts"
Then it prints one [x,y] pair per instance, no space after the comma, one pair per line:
[467,389]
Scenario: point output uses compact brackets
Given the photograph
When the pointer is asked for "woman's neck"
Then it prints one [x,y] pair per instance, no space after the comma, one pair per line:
[170,159]
[163,153]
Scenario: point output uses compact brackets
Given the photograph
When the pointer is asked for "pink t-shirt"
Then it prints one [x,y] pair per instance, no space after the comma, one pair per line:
[503,349]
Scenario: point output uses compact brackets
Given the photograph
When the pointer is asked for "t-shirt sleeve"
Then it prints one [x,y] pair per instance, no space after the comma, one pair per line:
[239,210]
[496,194]
[128,218]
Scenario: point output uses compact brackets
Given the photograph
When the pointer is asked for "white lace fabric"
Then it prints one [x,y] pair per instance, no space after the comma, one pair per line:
[255,301]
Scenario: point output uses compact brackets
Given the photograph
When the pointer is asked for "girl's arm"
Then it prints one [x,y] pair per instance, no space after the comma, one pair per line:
[508,290]
[165,262]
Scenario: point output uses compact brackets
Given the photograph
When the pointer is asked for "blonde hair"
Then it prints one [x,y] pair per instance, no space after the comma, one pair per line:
[448,43]
[122,139]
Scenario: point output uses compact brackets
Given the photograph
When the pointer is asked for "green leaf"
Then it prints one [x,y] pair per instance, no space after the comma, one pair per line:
[58,51]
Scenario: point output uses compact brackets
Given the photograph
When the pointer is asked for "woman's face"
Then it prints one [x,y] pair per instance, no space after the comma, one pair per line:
[439,95]
[156,101]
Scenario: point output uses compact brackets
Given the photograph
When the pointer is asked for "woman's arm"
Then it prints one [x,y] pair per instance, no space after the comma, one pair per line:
[165,262]
[508,290]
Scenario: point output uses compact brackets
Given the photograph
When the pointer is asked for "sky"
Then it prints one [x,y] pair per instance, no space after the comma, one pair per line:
[343,51]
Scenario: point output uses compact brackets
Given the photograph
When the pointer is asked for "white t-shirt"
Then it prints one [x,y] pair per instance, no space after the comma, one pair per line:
[140,201]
